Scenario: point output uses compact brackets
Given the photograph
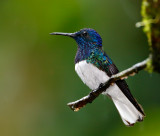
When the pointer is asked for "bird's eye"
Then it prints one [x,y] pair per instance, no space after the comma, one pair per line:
[84,33]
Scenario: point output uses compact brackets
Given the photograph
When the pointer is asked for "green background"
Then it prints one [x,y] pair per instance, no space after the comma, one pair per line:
[37,76]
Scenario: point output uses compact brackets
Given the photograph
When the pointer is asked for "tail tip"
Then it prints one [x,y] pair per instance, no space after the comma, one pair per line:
[140,119]
[129,124]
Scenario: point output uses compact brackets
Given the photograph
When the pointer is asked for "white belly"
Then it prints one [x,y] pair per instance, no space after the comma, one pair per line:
[91,75]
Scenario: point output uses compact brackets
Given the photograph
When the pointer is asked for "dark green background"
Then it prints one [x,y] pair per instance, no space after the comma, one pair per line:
[37,77]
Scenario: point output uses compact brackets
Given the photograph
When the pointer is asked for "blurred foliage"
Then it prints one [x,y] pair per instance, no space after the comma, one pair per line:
[37,77]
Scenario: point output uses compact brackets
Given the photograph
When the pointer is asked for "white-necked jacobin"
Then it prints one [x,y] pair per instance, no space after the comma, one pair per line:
[94,67]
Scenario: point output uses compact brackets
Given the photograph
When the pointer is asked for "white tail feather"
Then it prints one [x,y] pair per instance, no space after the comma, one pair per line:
[126,109]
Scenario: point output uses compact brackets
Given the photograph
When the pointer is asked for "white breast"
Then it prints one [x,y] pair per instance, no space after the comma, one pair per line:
[90,74]
[93,77]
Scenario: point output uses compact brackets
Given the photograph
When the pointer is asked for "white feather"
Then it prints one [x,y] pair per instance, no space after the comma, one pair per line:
[93,77]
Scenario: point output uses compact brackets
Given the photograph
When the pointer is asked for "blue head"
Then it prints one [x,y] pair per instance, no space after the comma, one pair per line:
[85,38]
[88,37]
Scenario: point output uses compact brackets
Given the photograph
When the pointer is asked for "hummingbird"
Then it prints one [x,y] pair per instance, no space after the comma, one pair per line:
[95,67]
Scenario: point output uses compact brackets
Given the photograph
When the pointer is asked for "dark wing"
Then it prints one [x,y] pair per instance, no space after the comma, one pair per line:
[124,88]
[111,69]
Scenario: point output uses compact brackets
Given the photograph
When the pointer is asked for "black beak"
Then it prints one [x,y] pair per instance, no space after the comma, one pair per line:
[65,34]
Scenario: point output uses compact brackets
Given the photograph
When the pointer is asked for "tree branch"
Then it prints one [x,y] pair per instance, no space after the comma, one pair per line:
[151,21]
[75,106]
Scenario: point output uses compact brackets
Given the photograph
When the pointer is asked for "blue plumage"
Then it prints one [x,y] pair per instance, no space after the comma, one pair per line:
[90,47]
[88,38]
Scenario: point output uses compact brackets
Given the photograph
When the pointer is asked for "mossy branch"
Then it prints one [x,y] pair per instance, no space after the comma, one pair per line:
[151,21]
